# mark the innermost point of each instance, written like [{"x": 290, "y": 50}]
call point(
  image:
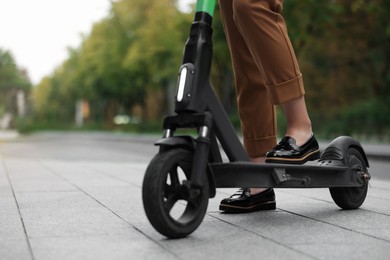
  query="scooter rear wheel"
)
[
  {"x": 168, "y": 203},
  {"x": 351, "y": 197}
]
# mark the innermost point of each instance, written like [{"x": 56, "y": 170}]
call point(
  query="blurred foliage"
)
[
  {"x": 128, "y": 64},
  {"x": 128, "y": 56},
  {"x": 344, "y": 51},
  {"x": 12, "y": 79}
]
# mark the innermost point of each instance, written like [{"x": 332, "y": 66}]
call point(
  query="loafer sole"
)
[
  {"x": 269, "y": 205},
  {"x": 312, "y": 156}
]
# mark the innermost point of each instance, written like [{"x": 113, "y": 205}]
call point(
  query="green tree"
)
[
  {"x": 155, "y": 55},
  {"x": 12, "y": 79}
]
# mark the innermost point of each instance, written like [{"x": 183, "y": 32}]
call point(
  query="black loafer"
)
[
  {"x": 288, "y": 152},
  {"x": 243, "y": 201}
]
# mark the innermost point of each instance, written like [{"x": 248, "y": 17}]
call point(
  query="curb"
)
[{"x": 6, "y": 135}]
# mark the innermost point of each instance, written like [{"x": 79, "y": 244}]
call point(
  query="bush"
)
[{"x": 368, "y": 120}]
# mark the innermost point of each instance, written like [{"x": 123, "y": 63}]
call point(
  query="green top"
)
[{"x": 205, "y": 6}]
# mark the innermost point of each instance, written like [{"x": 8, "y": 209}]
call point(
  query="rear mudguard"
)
[
  {"x": 189, "y": 143},
  {"x": 335, "y": 153}
]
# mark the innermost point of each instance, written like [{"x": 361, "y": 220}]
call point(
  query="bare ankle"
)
[
  {"x": 298, "y": 120},
  {"x": 260, "y": 159},
  {"x": 255, "y": 191},
  {"x": 301, "y": 134}
]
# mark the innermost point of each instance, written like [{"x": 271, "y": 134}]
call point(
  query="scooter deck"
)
[{"x": 247, "y": 174}]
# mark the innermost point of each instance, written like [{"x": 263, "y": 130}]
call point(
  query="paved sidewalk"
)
[{"x": 88, "y": 208}]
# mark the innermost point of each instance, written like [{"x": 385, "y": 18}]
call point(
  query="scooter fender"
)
[
  {"x": 186, "y": 142},
  {"x": 336, "y": 152}
]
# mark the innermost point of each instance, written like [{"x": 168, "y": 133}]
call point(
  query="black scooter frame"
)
[{"x": 198, "y": 107}]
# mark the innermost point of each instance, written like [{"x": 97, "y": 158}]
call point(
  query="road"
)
[
  {"x": 112, "y": 147},
  {"x": 78, "y": 196}
]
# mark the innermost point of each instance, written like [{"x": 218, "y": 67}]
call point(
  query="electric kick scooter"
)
[{"x": 187, "y": 170}]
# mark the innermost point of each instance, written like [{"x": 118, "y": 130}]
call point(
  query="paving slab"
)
[
  {"x": 14, "y": 249},
  {"x": 79, "y": 197},
  {"x": 13, "y": 240},
  {"x": 29, "y": 175},
  {"x": 131, "y": 246},
  {"x": 344, "y": 251}
]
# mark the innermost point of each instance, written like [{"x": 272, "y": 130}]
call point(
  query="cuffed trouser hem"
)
[
  {"x": 257, "y": 147},
  {"x": 286, "y": 91}
]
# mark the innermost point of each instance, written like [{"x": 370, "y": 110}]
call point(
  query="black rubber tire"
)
[
  {"x": 351, "y": 197},
  {"x": 158, "y": 194}
]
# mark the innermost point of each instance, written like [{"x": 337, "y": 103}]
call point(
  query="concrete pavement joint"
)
[
  {"x": 331, "y": 202},
  {"x": 113, "y": 212},
  {"x": 19, "y": 212},
  {"x": 264, "y": 237},
  {"x": 137, "y": 186},
  {"x": 113, "y": 177},
  {"x": 348, "y": 229}
]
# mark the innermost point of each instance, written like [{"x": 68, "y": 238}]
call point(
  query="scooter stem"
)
[{"x": 206, "y": 6}]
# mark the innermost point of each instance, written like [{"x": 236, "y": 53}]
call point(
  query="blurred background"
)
[{"x": 120, "y": 74}]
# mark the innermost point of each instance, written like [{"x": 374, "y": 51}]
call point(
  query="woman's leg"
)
[
  {"x": 264, "y": 30},
  {"x": 264, "y": 64},
  {"x": 257, "y": 114}
]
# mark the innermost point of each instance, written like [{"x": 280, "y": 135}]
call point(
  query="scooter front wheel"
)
[{"x": 173, "y": 207}]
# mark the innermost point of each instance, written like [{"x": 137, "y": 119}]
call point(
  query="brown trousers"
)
[{"x": 265, "y": 67}]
